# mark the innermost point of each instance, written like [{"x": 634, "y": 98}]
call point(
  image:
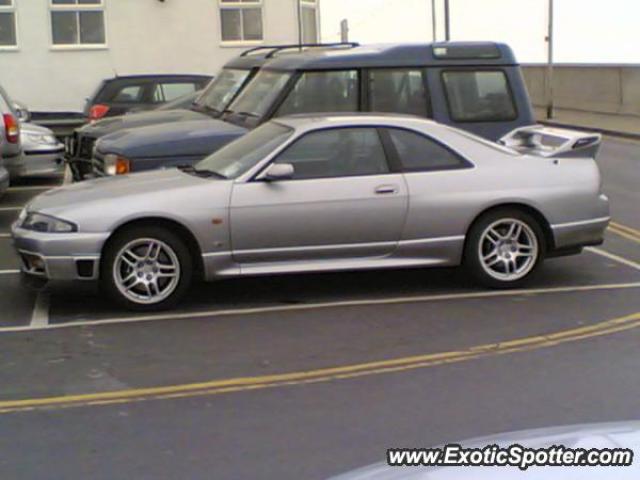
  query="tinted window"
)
[
  {"x": 323, "y": 92},
  {"x": 130, "y": 94},
  {"x": 419, "y": 153},
  {"x": 337, "y": 153},
  {"x": 400, "y": 91},
  {"x": 480, "y": 96}
]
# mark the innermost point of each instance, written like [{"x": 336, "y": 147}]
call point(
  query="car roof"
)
[
  {"x": 327, "y": 120},
  {"x": 258, "y": 56},
  {"x": 158, "y": 75},
  {"x": 395, "y": 55}
]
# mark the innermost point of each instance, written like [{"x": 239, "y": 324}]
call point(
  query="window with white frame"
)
[
  {"x": 241, "y": 20},
  {"x": 8, "y": 36},
  {"x": 309, "y": 17},
  {"x": 77, "y": 22}
]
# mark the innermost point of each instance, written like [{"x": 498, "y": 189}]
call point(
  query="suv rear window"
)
[{"x": 478, "y": 96}]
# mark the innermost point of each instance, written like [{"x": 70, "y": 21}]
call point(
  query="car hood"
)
[
  {"x": 140, "y": 119},
  {"x": 121, "y": 190},
  {"x": 188, "y": 138},
  {"x": 611, "y": 435}
]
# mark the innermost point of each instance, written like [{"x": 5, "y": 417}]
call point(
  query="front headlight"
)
[
  {"x": 116, "y": 165},
  {"x": 40, "y": 139},
  {"x": 39, "y": 222}
]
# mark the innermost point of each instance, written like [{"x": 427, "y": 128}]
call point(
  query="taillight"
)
[
  {"x": 11, "y": 128},
  {"x": 98, "y": 111}
]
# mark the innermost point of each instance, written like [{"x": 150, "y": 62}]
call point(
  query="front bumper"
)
[{"x": 54, "y": 256}]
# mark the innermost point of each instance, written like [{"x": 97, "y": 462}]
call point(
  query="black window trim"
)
[
  {"x": 516, "y": 113},
  {"x": 465, "y": 163},
  {"x": 392, "y": 164},
  {"x": 425, "y": 82}
]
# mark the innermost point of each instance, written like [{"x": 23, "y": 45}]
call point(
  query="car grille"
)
[
  {"x": 85, "y": 147},
  {"x": 97, "y": 165}
]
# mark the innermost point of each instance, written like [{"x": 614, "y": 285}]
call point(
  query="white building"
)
[{"x": 53, "y": 53}]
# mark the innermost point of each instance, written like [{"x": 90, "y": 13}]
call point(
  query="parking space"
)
[{"x": 614, "y": 264}]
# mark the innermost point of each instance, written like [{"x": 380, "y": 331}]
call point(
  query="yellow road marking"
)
[
  {"x": 216, "y": 387},
  {"x": 625, "y": 232},
  {"x": 625, "y": 228}
]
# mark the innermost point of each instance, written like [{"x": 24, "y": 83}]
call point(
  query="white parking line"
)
[
  {"x": 5, "y": 235},
  {"x": 36, "y": 188},
  {"x": 614, "y": 257},
  {"x": 9, "y": 272},
  {"x": 40, "y": 315},
  {"x": 10, "y": 209},
  {"x": 316, "y": 306}
]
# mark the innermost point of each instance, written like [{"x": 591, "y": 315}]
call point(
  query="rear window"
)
[
  {"x": 478, "y": 96},
  {"x": 129, "y": 94},
  {"x": 166, "y": 92}
]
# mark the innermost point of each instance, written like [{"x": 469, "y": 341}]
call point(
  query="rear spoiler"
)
[{"x": 552, "y": 142}]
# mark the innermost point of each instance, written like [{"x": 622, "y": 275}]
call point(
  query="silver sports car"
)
[{"x": 325, "y": 193}]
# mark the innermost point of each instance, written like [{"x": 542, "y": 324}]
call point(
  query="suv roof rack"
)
[{"x": 278, "y": 48}]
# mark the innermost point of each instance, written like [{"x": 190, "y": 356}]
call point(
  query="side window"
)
[
  {"x": 332, "y": 91},
  {"x": 419, "y": 153},
  {"x": 398, "y": 91},
  {"x": 338, "y": 152},
  {"x": 165, "y": 92},
  {"x": 479, "y": 96},
  {"x": 129, "y": 94}
]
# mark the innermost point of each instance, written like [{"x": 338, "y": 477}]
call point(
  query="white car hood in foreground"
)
[{"x": 614, "y": 435}]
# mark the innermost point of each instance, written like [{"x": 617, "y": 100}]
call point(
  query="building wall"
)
[{"x": 143, "y": 36}]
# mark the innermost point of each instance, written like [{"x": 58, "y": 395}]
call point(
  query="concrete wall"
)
[
  {"x": 143, "y": 36},
  {"x": 613, "y": 90}
]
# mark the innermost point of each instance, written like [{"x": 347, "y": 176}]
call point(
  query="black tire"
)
[
  {"x": 115, "y": 245},
  {"x": 472, "y": 256}
]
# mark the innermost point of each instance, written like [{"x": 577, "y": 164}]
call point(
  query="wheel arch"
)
[
  {"x": 542, "y": 221},
  {"x": 174, "y": 227}
]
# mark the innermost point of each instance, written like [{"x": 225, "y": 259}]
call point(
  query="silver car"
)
[
  {"x": 42, "y": 153},
  {"x": 324, "y": 193}
]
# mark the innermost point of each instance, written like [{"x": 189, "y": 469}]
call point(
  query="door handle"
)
[{"x": 386, "y": 190}]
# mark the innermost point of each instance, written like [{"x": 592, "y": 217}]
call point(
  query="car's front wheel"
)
[
  {"x": 146, "y": 268},
  {"x": 504, "y": 248}
]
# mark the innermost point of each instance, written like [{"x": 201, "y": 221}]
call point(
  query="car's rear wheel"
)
[
  {"x": 504, "y": 248},
  {"x": 146, "y": 268}
]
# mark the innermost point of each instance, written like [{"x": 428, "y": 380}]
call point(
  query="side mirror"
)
[
  {"x": 23, "y": 113},
  {"x": 278, "y": 171}
]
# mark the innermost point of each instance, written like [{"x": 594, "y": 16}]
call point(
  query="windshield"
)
[
  {"x": 238, "y": 157},
  {"x": 260, "y": 94},
  {"x": 223, "y": 89}
]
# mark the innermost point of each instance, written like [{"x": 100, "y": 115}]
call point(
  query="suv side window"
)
[
  {"x": 338, "y": 152},
  {"x": 479, "y": 96},
  {"x": 418, "y": 153},
  {"x": 398, "y": 91},
  {"x": 330, "y": 91}
]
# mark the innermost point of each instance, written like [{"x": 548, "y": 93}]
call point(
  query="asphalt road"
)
[{"x": 307, "y": 376}]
